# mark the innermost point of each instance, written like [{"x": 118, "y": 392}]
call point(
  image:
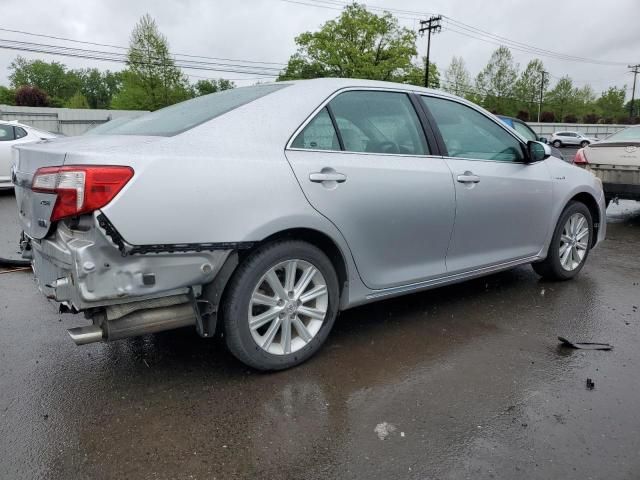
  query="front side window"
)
[
  {"x": 319, "y": 134},
  {"x": 378, "y": 122},
  {"x": 469, "y": 134},
  {"x": 6, "y": 133}
]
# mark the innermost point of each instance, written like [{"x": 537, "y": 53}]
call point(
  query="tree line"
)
[
  {"x": 150, "y": 81},
  {"x": 357, "y": 44}
]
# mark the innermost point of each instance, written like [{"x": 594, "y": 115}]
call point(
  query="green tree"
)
[
  {"x": 358, "y": 44},
  {"x": 456, "y": 78},
  {"x": 415, "y": 76},
  {"x": 151, "y": 80},
  {"x": 585, "y": 102},
  {"x": 496, "y": 82},
  {"x": 205, "y": 87},
  {"x": 562, "y": 98},
  {"x": 527, "y": 87},
  {"x": 98, "y": 87},
  {"x": 52, "y": 77},
  {"x": 77, "y": 101},
  {"x": 611, "y": 103},
  {"x": 7, "y": 96}
]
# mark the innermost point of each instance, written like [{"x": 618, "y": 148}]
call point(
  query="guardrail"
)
[
  {"x": 67, "y": 121},
  {"x": 596, "y": 130}
]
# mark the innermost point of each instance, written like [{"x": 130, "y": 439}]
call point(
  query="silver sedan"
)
[{"x": 262, "y": 212}]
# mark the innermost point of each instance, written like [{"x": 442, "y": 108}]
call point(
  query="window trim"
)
[
  {"x": 432, "y": 147},
  {"x": 443, "y": 147}
]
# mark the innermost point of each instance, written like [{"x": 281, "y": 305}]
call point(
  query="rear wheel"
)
[
  {"x": 584, "y": 143},
  {"x": 280, "y": 306},
  {"x": 570, "y": 244},
  {"x": 557, "y": 143}
]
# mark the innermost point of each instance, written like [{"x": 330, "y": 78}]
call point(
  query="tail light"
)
[
  {"x": 580, "y": 158},
  {"x": 80, "y": 189}
]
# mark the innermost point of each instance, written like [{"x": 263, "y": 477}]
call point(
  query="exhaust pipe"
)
[{"x": 137, "y": 323}]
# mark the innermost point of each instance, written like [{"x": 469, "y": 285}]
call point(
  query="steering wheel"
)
[{"x": 387, "y": 146}]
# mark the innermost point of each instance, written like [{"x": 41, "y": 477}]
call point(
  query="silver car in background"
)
[
  {"x": 569, "y": 139},
  {"x": 264, "y": 211}
]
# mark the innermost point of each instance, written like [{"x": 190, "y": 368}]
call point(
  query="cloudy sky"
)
[{"x": 264, "y": 31}]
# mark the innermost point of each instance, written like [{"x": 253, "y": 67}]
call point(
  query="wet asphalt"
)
[{"x": 466, "y": 381}]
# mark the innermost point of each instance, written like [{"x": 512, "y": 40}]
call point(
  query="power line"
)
[
  {"x": 122, "y": 58},
  {"x": 467, "y": 30},
  {"x": 120, "y": 47}
]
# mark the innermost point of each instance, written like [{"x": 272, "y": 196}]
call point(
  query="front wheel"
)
[
  {"x": 280, "y": 305},
  {"x": 570, "y": 244}
]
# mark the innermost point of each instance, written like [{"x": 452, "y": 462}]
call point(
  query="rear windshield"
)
[
  {"x": 631, "y": 134},
  {"x": 183, "y": 116}
]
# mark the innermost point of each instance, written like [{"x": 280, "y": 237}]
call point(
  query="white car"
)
[
  {"x": 14, "y": 133},
  {"x": 565, "y": 138}
]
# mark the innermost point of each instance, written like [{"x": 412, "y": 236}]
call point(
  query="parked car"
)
[
  {"x": 14, "y": 133},
  {"x": 527, "y": 132},
  {"x": 265, "y": 210},
  {"x": 566, "y": 139},
  {"x": 616, "y": 161}
]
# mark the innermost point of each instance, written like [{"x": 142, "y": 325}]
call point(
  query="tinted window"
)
[
  {"x": 6, "y": 133},
  {"x": 20, "y": 132},
  {"x": 525, "y": 131},
  {"x": 469, "y": 134},
  {"x": 319, "y": 134},
  {"x": 378, "y": 122},
  {"x": 183, "y": 116}
]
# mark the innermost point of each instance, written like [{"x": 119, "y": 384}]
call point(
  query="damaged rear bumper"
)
[{"x": 81, "y": 267}]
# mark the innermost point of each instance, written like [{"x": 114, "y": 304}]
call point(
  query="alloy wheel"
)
[
  {"x": 574, "y": 242},
  {"x": 288, "y": 307}
]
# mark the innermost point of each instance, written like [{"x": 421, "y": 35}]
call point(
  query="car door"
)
[
  {"x": 7, "y": 139},
  {"x": 364, "y": 162},
  {"x": 502, "y": 203}
]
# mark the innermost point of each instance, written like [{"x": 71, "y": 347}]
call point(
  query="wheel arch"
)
[
  {"x": 592, "y": 204},
  {"x": 320, "y": 240}
]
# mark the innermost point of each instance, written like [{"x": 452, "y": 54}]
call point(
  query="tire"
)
[
  {"x": 253, "y": 279},
  {"x": 552, "y": 267},
  {"x": 583, "y": 144},
  {"x": 557, "y": 143}
]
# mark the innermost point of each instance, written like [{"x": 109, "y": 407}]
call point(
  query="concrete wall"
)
[
  {"x": 591, "y": 130},
  {"x": 67, "y": 121}
]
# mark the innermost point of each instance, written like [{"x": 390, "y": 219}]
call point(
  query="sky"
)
[{"x": 264, "y": 31}]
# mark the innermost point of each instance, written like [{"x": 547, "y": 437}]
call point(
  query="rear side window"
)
[
  {"x": 183, "y": 116},
  {"x": 378, "y": 122},
  {"x": 6, "y": 133},
  {"x": 20, "y": 132},
  {"x": 469, "y": 134},
  {"x": 319, "y": 134}
]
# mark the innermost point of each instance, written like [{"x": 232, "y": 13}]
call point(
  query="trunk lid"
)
[
  {"x": 34, "y": 208},
  {"x": 618, "y": 153}
]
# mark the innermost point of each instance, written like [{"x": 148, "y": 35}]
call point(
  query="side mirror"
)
[
  {"x": 537, "y": 151},
  {"x": 543, "y": 140}
]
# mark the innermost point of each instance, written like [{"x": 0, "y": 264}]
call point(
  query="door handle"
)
[
  {"x": 468, "y": 177},
  {"x": 319, "y": 177}
]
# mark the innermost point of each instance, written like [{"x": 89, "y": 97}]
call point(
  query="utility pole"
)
[
  {"x": 541, "y": 93},
  {"x": 430, "y": 25},
  {"x": 634, "y": 70}
]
